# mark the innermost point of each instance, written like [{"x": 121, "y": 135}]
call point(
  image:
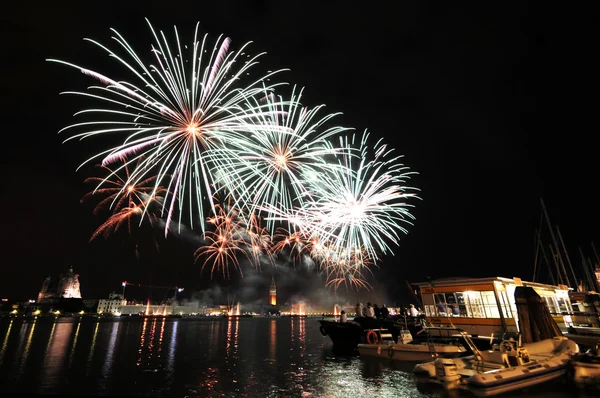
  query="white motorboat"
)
[
  {"x": 507, "y": 367},
  {"x": 440, "y": 342}
]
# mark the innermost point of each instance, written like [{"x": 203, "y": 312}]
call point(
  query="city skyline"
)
[{"x": 472, "y": 116}]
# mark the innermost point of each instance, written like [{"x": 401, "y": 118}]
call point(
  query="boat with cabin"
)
[{"x": 486, "y": 308}]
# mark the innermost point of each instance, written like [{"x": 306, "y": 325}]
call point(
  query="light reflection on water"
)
[
  {"x": 5, "y": 342},
  {"x": 54, "y": 360},
  {"x": 231, "y": 357}
]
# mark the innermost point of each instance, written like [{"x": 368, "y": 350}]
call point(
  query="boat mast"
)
[
  {"x": 592, "y": 269},
  {"x": 567, "y": 255},
  {"x": 555, "y": 259},
  {"x": 586, "y": 275},
  {"x": 548, "y": 264},
  {"x": 537, "y": 245},
  {"x": 595, "y": 253},
  {"x": 555, "y": 242}
]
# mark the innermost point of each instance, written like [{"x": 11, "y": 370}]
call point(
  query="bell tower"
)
[{"x": 273, "y": 292}]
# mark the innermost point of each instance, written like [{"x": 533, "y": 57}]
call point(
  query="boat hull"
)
[
  {"x": 505, "y": 380},
  {"x": 345, "y": 336},
  {"x": 409, "y": 352},
  {"x": 495, "y": 375}
]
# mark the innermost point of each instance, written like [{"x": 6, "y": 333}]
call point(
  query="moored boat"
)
[
  {"x": 508, "y": 367},
  {"x": 344, "y": 335},
  {"x": 585, "y": 368},
  {"x": 440, "y": 342},
  {"x": 347, "y": 335}
]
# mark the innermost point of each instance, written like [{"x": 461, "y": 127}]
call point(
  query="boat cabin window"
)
[
  {"x": 552, "y": 304},
  {"x": 470, "y": 304},
  {"x": 490, "y": 305},
  {"x": 505, "y": 305},
  {"x": 557, "y": 304}
]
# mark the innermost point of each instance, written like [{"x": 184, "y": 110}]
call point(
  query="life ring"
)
[
  {"x": 323, "y": 331},
  {"x": 372, "y": 337}
]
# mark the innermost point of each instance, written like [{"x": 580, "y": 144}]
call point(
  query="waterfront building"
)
[
  {"x": 66, "y": 286},
  {"x": 112, "y": 305},
  {"x": 191, "y": 308}
]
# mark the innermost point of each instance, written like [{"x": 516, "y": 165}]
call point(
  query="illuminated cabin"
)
[{"x": 486, "y": 306}]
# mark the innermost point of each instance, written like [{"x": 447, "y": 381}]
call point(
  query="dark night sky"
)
[{"x": 489, "y": 105}]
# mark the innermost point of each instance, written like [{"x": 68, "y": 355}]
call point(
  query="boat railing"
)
[{"x": 476, "y": 353}]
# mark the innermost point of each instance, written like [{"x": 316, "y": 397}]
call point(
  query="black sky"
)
[{"x": 489, "y": 104}]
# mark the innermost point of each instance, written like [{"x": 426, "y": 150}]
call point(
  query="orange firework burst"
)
[
  {"x": 120, "y": 190},
  {"x": 116, "y": 221},
  {"x": 346, "y": 271},
  {"x": 233, "y": 236},
  {"x": 221, "y": 251},
  {"x": 130, "y": 203},
  {"x": 285, "y": 240},
  {"x": 130, "y": 215},
  {"x": 260, "y": 242}
]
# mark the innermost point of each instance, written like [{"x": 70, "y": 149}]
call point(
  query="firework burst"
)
[
  {"x": 175, "y": 114},
  {"x": 234, "y": 236},
  {"x": 119, "y": 190},
  {"x": 287, "y": 142},
  {"x": 358, "y": 206},
  {"x": 194, "y": 127}
]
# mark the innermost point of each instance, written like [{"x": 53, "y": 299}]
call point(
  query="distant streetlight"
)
[
  {"x": 179, "y": 290},
  {"x": 124, "y": 284}
]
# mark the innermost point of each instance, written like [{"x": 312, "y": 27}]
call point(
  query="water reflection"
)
[
  {"x": 160, "y": 337},
  {"x": 142, "y": 340},
  {"x": 108, "y": 361},
  {"x": 171, "y": 361},
  {"x": 231, "y": 350},
  {"x": 260, "y": 357},
  {"x": 92, "y": 348},
  {"x": 273, "y": 340},
  {"x": 74, "y": 343},
  {"x": 26, "y": 349},
  {"x": 5, "y": 342},
  {"x": 55, "y": 354},
  {"x": 298, "y": 373},
  {"x": 151, "y": 341}
]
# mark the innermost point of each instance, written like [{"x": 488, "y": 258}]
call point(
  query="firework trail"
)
[{"x": 175, "y": 115}]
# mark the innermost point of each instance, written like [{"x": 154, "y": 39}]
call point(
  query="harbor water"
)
[{"x": 200, "y": 357}]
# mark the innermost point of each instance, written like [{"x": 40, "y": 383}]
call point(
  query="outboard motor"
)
[{"x": 446, "y": 373}]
